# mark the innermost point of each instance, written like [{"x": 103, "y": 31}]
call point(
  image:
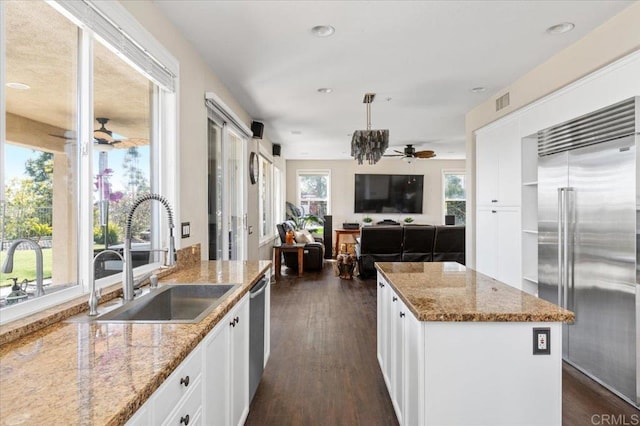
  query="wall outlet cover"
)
[
  {"x": 186, "y": 229},
  {"x": 542, "y": 341}
]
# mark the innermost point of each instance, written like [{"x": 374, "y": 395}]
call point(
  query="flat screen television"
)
[{"x": 388, "y": 193}]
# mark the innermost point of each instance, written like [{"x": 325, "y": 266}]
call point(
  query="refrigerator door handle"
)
[
  {"x": 568, "y": 239},
  {"x": 561, "y": 264}
]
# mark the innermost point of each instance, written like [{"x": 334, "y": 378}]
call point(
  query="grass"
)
[{"x": 24, "y": 266}]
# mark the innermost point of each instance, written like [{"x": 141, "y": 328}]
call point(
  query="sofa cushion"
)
[{"x": 304, "y": 236}]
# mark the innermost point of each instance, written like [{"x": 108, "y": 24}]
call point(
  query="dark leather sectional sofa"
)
[
  {"x": 409, "y": 243},
  {"x": 313, "y": 252}
]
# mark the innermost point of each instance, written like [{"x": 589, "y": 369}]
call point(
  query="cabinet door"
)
[
  {"x": 216, "y": 396},
  {"x": 383, "y": 289},
  {"x": 487, "y": 241},
  {"x": 397, "y": 354},
  {"x": 486, "y": 168},
  {"x": 240, "y": 362},
  {"x": 412, "y": 370},
  {"x": 509, "y": 239},
  {"x": 509, "y": 165}
]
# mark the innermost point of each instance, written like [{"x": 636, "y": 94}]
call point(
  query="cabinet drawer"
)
[
  {"x": 183, "y": 379},
  {"x": 188, "y": 410}
]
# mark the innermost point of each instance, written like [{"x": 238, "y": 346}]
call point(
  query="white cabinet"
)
[
  {"x": 179, "y": 397},
  {"x": 399, "y": 353},
  {"x": 211, "y": 386},
  {"x": 499, "y": 199},
  {"x": 498, "y": 175},
  {"x": 226, "y": 368},
  {"x": 498, "y": 244}
]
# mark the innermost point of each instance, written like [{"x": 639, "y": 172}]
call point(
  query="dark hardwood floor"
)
[{"x": 323, "y": 368}]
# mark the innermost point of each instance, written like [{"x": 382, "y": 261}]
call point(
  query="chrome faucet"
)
[
  {"x": 127, "y": 268},
  {"x": 94, "y": 295},
  {"x": 7, "y": 266}
]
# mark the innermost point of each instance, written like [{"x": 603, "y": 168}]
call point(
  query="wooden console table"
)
[
  {"x": 279, "y": 249},
  {"x": 339, "y": 232}
]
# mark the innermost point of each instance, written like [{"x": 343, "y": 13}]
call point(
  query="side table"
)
[{"x": 279, "y": 249}]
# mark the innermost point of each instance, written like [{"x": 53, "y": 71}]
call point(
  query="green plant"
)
[
  {"x": 367, "y": 219},
  {"x": 408, "y": 219},
  {"x": 112, "y": 234}
]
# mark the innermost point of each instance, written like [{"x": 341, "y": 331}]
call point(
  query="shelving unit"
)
[{"x": 530, "y": 214}]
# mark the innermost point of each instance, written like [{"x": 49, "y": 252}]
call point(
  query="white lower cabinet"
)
[
  {"x": 226, "y": 369},
  {"x": 400, "y": 354},
  {"x": 498, "y": 244},
  {"x": 211, "y": 386}
]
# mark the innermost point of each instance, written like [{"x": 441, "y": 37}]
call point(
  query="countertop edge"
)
[{"x": 567, "y": 316}]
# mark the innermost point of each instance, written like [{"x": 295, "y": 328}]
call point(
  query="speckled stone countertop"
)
[
  {"x": 100, "y": 374},
  {"x": 447, "y": 291}
]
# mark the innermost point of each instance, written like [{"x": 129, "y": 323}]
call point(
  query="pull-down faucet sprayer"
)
[{"x": 127, "y": 270}]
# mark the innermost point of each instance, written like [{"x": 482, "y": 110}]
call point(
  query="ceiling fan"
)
[
  {"x": 101, "y": 136},
  {"x": 410, "y": 153}
]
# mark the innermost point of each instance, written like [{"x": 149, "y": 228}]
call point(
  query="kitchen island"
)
[
  {"x": 89, "y": 373},
  {"x": 457, "y": 348}
]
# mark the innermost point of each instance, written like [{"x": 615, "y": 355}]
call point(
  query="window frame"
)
[
  {"x": 313, "y": 172},
  {"x": 164, "y": 133},
  {"x": 458, "y": 172},
  {"x": 269, "y": 197}
]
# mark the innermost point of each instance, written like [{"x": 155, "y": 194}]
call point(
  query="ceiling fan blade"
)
[
  {"x": 393, "y": 155},
  {"x": 58, "y": 136},
  {"x": 105, "y": 137},
  {"x": 425, "y": 154},
  {"x": 399, "y": 152}
]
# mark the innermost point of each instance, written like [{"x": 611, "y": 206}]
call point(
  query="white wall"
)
[{"x": 342, "y": 186}]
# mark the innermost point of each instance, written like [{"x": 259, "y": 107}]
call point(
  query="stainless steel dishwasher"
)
[{"x": 256, "y": 334}]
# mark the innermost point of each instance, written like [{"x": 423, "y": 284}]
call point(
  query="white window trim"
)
[
  {"x": 167, "y": 128},
  {"x": 262, "y": 240},
  {"x": 302, "y": 172},
  {"x": 443, "y": 185}
]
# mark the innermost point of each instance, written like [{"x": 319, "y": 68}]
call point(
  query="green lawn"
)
[{"x": 24, "y": 266}]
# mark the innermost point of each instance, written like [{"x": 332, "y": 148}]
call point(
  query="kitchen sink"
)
[{"x": 180, "y": 303}]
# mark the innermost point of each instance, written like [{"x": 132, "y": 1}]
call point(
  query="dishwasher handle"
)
[{"x": 257, "y": 290}]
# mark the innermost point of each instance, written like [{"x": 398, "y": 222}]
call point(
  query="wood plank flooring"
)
[{"x": 323, "y": 368}]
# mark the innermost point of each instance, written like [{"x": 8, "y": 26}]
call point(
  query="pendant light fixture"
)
[{"x": 369, "y": 145}]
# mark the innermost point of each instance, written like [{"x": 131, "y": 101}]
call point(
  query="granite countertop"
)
[
  {"x": 89, "y": 373},
  {"x": 448, "y": 291}
]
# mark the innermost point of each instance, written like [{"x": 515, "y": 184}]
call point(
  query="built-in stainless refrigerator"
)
[{"x": 588, "y": 246}]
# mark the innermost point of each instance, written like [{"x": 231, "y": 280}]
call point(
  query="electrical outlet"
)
[
  {"x": 542, "y": 341},
  {"x": 186, "y": 229}
]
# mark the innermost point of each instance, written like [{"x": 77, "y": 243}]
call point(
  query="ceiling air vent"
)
[{"x": 502, "y": 102}]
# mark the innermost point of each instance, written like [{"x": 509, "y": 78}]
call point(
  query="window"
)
[
  {"x": 265, "y": 198},
  {"x": 46, "y": 176},
  {"x": 278, "y": 204},
  {"x": 454, "y": 195},
  {"x": 314, "y": 191}
]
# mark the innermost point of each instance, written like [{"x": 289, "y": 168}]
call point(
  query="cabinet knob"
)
[
  {"x": 493, "y": 211},
  {"x": 494, "y": 201},
  {"x": 184, "y": 420},
  {"x": 237, "y": 319},
  {"x": 401, "y": 314},
  {"x": 394, "y": 298},
  {"x": 381, "y": 285},
  {"x": 232, "y": 323},
  {"x": 185, "y": 381}
]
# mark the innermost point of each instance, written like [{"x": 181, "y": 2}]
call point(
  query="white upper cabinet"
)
[{"x": 498, "y": 175}]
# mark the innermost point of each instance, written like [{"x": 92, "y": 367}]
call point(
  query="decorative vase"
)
[{"x": 289, "y": 237}]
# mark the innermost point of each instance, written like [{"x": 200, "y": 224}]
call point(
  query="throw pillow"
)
[{"x": 303, "y": 237}]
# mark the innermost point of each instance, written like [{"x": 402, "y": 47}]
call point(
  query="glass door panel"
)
[{"x": 235, "y": 191}]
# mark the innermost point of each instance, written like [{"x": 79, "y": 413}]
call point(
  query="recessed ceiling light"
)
[
  {"x": 19, "y": 86},
  {"x": 323, "y": 30},
  {"x": 325, "y": 90},
  {"x": 296, "y": 132},
  {"x": 562, "y": 28},
  {"x": 479, "y": 89}
]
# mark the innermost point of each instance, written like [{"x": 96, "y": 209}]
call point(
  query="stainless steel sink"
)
[{"x": 181, "y": 303}]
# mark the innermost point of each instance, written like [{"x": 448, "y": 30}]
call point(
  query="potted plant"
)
[
  {"x": 408, "y": 220},
  {"x": 367, "y": 221}
]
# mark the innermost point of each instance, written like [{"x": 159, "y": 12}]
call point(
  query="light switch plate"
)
[
  {"x": 186, "y": 229},
  {"x": 542, "y": 341}
]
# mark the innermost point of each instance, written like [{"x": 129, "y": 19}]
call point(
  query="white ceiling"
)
[{"x": 424, "y": 55}]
